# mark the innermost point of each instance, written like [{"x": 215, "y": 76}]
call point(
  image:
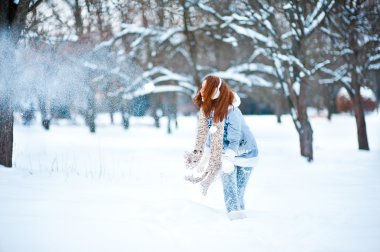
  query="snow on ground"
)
[{"x": 122, "y": 190}]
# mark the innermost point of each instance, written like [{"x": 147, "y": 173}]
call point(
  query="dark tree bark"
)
[
  {"x": 156, "y": 119},
  {"x": 77, "y": 10},
  {"x": 124, "y": 116},
  {"x": 359, "y": 114},
  {"x": 306, "y": 132},
  {"x": 331, "y": 100},
  {"x": 279, "y": 105},
  {"x": 298, "y": 102},
  {"x": 45, "y": 112},
  {"x": 111, "y": 117},
  {"x": 355, "y": 82},
  {"x": 6, "y": 131},
  {"x": 171, "y": 111},
  {"x": 12, "y": 21},
  {"x": 191, "y": 42},
  {"x": 91, "y": 111},
  {"x": 360, "y": 123}
]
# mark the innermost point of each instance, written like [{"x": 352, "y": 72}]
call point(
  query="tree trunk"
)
[
  {"x": 278, "y": 108},
  {"x": 45, "y": 111},
  {"x": 111, "y": 118},
  {"x": 306, "y": 140},
  {"x": 124, "y": 116},
  {"x": 157, "y": 112},
  {"x": 12, "y": 19},
  {"x": 125, "y": 121},
  {"x": 161, "y": 13},
  {"x": 156, "y": 119},
  {"x": 357, "y": 100},
  {"x": 278, "y": 116},
  {"x": 77, "y": 11},
  {"x": 169, "y": 129},
  {"x": 91, "y": 111},
  {"x": 329, "y": 113},
  {"x": 360, "y": 120},
  {"x": 6, "y": 94},
  {"x": 331, "y": 100},
  {"x": 331, "y": 107},
  {"x": 191, "y": 43},
  {"x": 6, "y": 131},
  {"x": 306, "y": 132}
]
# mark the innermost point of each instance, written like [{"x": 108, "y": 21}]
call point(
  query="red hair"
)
[{"x": 220, "y": 105}]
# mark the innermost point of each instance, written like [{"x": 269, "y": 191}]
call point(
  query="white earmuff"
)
[{"x": 217, "y": 91}]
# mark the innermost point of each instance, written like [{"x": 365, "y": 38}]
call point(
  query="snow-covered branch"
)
[
  {"x": 242, "y": 25},
  {"x": 160, "y": 74},
  {"x": 252, "y": 67},
  {"x": 339, "y": 75},
  {"x": 245, "y": 79},
  {"x": 316, "y": 17},
  {"x": 373, "y": 62}
]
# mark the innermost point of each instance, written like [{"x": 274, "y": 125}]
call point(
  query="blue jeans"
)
[{"x": 234, "y": 185}]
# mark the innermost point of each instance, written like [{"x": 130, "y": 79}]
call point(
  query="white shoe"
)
[{"x": 236, "y": 215}]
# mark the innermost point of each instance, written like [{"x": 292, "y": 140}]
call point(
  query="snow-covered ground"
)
[{"x": 122, "y": 190}]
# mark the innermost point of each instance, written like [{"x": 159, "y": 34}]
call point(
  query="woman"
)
[{"x": 224, "y": 143}]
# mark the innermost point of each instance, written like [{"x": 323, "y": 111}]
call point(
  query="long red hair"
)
[{"x": 220, "y": 105}]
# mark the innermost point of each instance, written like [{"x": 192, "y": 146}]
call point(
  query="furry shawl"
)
[{"x": 216, "y": 145}]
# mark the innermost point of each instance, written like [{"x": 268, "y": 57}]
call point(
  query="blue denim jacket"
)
[{"x": 237, "y": 135}]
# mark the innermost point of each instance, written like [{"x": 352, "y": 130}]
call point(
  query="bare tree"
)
[
  {"x": 280, "y": 32},
  {"x": 354, "y": 31}
]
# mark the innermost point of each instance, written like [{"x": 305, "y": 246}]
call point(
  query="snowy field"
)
[{"x": 122, "y": 190}]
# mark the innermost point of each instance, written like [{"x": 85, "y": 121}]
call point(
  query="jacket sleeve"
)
[{"x": 233, "y": 131}]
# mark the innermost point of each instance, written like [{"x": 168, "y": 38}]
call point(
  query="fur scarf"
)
[{"x": 216, "y": 146}]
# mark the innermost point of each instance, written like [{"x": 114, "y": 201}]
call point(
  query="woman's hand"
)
[{"x": 201, "y": 166}]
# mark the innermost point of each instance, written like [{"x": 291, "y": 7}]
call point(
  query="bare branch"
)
[{"x": 34, "y": 5}]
